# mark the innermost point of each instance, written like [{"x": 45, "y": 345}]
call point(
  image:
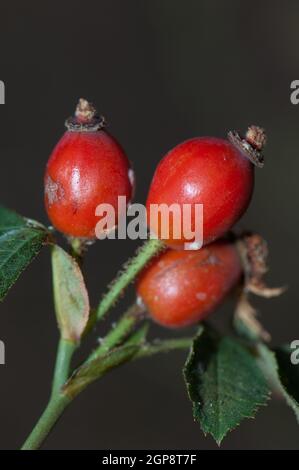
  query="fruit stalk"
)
[
  {"x": 150, "y": 248},
  {"x": 120, "y": 331}
]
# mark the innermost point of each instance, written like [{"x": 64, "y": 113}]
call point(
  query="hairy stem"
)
[
  {"x": 150, "y": 248},
  {"x": 163, "y": 346},
  {"x": 120, "y": 331}
]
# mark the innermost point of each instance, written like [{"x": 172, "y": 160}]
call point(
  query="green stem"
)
[
  {"x": 163, "y": 346},
  {"x": 59, "y": 402},
  {"x": 65, "y": 352},
  {"x": 78, "y": 249},
  {"x": 50, "y": 416},
  {"x": 116, "y": 335},
  {"x": 132, "y": 268}
]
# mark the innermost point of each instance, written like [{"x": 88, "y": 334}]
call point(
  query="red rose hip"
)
[
  {"x": 217, "y": 173},
  {"x": 86, "y": 168},
  {"x": 180, "y": 287}
]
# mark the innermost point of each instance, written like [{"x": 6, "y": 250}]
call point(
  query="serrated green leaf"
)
[
  {"x": 96, "y": 368},
  {"x": 224, "y": 383},
  {"x": 70, "y": 295},
  {"x": 20, "y": 241},
  {"x": 283, "y": 376}
]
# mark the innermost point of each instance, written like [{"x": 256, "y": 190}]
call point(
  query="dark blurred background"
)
[{"x": 161, "y": 72}]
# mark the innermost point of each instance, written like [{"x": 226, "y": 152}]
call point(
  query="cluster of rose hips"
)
[{"x": 88, "y": 167}]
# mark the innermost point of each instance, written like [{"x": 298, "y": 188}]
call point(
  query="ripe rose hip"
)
[
  {"x": 180, "y": 288},
  {"x": 214, "y": 172},
  {"x": 86, "y": 168}
]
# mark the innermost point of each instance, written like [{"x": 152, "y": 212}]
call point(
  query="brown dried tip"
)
[
  {"x": 85, "y": 111},
  {"x": 247, "y": 314},
  {"x": 254, "y": 252},
  {"x": 257, "y": 253},
  {"x": 85, "y": 118},
  {"x": 256, "y": 137},
  {"x": 251, "y": 145}
]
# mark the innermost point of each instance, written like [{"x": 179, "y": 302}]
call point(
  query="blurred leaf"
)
[
  {"x": 92, "y": 319},
  {"x": 20, "y": 241},
  {"x": 70, "y": 295},
  {"x": 96, "y": 368},
  {"x": 283, "y": 376},
  {"x": 224, "y": 383},
  {"x": 245, "y": 322},
  {"x": 9, "y": 220}
]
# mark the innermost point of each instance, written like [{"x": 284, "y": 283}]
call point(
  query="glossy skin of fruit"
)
[
  {"x": 181, "y": 288},
  {"x": 86, "y": 168},
  {"x": 207, "y": 171}
]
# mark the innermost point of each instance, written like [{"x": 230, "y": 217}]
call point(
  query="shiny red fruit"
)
[
  {"x": 207, "y": 171},
  {"x": 180, "y": 288},
  {"x": 87, "y": 168}
]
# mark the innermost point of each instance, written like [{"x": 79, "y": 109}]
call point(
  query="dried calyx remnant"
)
[
  {"x": 251, "y": 145},
  {"x": 85, "y": 118},
  {"x": 253, "y": 251}
]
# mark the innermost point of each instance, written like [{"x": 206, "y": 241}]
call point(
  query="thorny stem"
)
[
  {"x": 121, "y": 330},
  {"x": 131, "y": 270},
  {"x": 65, "y": 352},
  {"x": 60, "y": 401},
  {"x": 163, "y": 346}
]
